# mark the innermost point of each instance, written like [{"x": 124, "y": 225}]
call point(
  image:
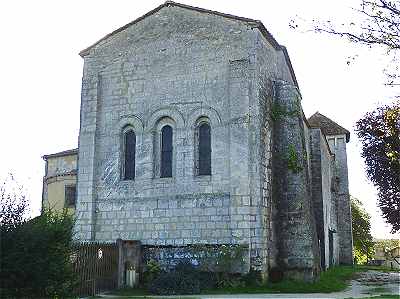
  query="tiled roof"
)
[
  {"x": 61, "y": 154},
  {"x": 327, "y": 126}
]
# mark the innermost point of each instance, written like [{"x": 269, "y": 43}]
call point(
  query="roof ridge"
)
[{"x": 327, "y": 125}]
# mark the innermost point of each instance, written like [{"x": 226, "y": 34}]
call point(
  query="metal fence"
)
[{"x": 96, "y": 267}]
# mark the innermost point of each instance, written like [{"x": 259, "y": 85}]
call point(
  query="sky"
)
[{"x": 41, "y": 72}]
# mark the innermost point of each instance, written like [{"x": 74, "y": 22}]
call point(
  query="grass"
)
[
  {"x": 146, "y": 297},
  {"x": 130, "y": 292},
  {"x": 332, "y": 280},
  {"x": 381, "y": 297}
]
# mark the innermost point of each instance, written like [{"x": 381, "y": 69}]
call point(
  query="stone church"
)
[{"x": 192, "y": 132}]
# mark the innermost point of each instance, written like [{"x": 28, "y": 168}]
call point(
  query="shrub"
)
[
  {"x": 184, "y": 279},
  {"x": 174, "y": 283},
  {"x": 35, "y": 259},
  {"x": 152, "y": 271},
  {"x": 207, "y": 280},
  {"x": 229, "y": 280},
  {"x": 253, "y": 278}
]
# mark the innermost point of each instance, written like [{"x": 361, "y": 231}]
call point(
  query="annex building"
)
[{"x": 192, "y": 132}]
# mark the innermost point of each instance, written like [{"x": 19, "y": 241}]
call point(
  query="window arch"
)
[
  {"x": 166, "y": 151},
  {"x": 129, "y": 153},
  {"x": 204, "y": 149}
]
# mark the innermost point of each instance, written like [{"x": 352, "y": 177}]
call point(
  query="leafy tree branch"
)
[
  {"x": 376, "y": 23},
  {"x": 379, "y": 133}
]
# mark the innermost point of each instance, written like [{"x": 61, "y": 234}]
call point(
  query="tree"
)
[
  {"x": 35, "y": 259},
  {"x": 13, "y": 204},
  {"x": 35, "y": 254},
  {"x": 379, "y": 133},
  {"x": 362, "y": 238},
  {"x": 375, "y": 24}
]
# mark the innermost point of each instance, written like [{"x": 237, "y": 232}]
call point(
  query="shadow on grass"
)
[
  {"x": 381, "y": 297},
  {"x": 333, "y": 280}
]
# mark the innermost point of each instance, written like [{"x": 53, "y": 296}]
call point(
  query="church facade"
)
[{"x": 192, "y": 132}]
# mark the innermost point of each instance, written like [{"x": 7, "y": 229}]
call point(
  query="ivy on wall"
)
[
  {"x": 292, "y": 159},
  {"x": 278, "y": 111}
]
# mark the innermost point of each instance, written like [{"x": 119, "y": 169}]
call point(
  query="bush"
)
[
  {"x": 229, "y": 280},
  {"x": 184, "y": 279},
  {"x": 174, "y": 283},
  {"x": 35, "y": 257},
  {"x": 152, "y": 271},
  {"x": 207, "y": 280},
  {"x": 253, "y": 278}
]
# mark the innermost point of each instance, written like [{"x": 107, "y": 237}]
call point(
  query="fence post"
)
[
  {"x": 120, "y": 263},
  {"x": 94, "y": 287}
]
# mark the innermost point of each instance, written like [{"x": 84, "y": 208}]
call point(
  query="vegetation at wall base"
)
[
  {"x": 332, "y": 280},
  {"x": 381, "y": 297},
  {"x": 36, "y": 258}
]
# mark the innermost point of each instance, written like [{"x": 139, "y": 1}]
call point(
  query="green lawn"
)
[
  {"x": 381, "y": 297},
  {"x": 146, "y": 297},
  {"x": 333, "y": 280}
]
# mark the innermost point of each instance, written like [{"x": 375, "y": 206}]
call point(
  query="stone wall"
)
[
  {"x": 175, "y": 66},
  {"x": 175, "y": 220},
  {"x": 297, "y": 238},
  {"x": 337, "y": 144},
  {"x": 204, "y": 257},
  {"x": 270, "y": 65},
  {"x": 324, "y": 197},
  {"x": 61, "y": 165}
]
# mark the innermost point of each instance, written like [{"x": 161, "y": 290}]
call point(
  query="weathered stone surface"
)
[
  {"x": 325, "y": 198},
  {"x": 179, "y": 65},
  {"x": 298, "y": 243},
  {"x": 206, "y": 258}
]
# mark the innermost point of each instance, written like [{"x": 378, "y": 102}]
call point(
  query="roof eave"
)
[{"x": 61, "y": 154}]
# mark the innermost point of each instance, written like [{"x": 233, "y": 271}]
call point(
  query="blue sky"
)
[{"x": 41, "y": 75}]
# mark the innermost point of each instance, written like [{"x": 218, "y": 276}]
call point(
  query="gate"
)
[{"x": 96, "y": 267}]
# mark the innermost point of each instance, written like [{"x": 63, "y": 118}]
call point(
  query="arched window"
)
[
  {"x": 129, "y": 155},
  {"x": 204, "y": 149},
  {"x": 166, "y": 152}
]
